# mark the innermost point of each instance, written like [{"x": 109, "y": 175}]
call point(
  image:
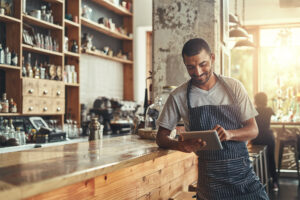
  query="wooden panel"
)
[
  {"x": 41, "y": 51},
  {"x": 14, "y": 39},
  {"x": 41, "y": 23},
  {"x": 82, "y": 190},
  {"x": 128, "y": 82},
  {"x": 13, "y": 87},
  {"x": 114, "y": 58},
  {"x": 113, "y": 7},
  {"x": 73, "y": 7},
  {"x": 73, "y": 103},
  {"x": 58, "y": 13}
]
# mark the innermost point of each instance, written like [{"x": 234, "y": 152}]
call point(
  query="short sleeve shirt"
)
[{"x": 175, "y": 108}]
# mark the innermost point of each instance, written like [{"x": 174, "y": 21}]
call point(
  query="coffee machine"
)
[{"x": 102, "y": 108}]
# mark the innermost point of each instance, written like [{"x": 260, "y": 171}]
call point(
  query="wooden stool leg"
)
[{"x": 281, "y": 146}]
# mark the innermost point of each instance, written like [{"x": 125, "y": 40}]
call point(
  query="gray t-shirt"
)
[{"x": 176, "y": 107}]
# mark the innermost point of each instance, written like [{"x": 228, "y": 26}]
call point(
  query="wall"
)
[
  {"x": 99, "y": 77},
  {"x": 175, "y": 22},
  {"x": 142, "y": 24}
]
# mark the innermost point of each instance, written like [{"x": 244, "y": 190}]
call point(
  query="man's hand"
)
[
  {"x": 192, "y": 145},
  {"x": 224, "y": 135}
]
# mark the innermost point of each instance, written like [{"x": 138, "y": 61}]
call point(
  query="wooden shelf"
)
[
  {"x": 3, "y": 66},
  {"x": 103, "y": 29},
  {"x": 71, "y": 23},
  {"x": 9, "y": 19},
  {"x": 9, "y": 114},
  {"x": 41, "y": 23},
  {"x": 93, "y": 53},
  {"x": 72, "y": 84},
  {"x": 71, "y": 54},
  {"x": 40, "y": 50},
  {"x": 113, "y": 7}
]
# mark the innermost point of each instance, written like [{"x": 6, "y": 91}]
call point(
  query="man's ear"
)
[{"x": 213, "y": 57}]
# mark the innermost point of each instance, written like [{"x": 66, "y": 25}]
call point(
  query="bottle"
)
[
  {"x": 1, "y": 55},
  {"x": 28, "y": 66},
  {"x": 14, "y": 58},
  {"x": 12, "y": 106},
  {"x": 6, "y": 130},
  {"x": 5, "y": 106},
  {"x": 94, "y": 128},
  {"x": 36, "y": 70},
  {"x": 74, "y": 47},
  {"x": 24, "y": 72},
  {"x": 18, "y": 136},
  {"x": 11, "y": 129},
  {"x": 7, "y": 56}
]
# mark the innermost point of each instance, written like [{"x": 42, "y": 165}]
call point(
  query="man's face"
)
[{"x": 200, "y": 67}]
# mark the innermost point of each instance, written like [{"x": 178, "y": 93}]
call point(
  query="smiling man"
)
[{"x": 209, "y": 101}]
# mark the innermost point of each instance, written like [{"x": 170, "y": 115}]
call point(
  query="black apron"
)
[{"x": 223, "y": 174}]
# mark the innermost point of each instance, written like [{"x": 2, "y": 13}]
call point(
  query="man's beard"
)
[{"x": 204, "y": 78}]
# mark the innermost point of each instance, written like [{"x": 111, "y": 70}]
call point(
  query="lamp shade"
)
[
  {"x": 244, "y": 43},
  {"x": 238, "y": 32}
]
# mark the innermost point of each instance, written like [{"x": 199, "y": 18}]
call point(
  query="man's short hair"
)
[{"x": 194, "y": 47}]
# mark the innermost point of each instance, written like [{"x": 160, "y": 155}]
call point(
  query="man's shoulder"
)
[
  {"x": 231, "y": 81},
  {"x": 180, "y": 90}
]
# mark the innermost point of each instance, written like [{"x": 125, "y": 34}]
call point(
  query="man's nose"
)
[{"x": 198, "y": 71}]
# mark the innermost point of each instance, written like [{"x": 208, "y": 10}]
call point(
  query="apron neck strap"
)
[{"x": 228, "y": 90}]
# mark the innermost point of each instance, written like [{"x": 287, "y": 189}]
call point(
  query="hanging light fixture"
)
[
  {"x": 246, "y": 41},
  {"x": 236, "y": 30}
]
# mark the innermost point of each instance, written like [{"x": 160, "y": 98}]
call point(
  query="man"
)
[{"x": 209, "y": 101}]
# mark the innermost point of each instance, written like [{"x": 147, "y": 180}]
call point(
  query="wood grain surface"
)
[{"x": 133, "y": 167}]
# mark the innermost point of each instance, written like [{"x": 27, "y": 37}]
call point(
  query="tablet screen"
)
[{"x": 210, "y": 137}]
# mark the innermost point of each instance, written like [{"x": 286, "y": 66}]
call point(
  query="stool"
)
[
  {"x": 182, "y": 195},
  {"x": 258, "y": 155},
  {"x": 289, "y": 141}
]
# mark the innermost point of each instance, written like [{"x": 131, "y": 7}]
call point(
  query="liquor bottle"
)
[
  {"x": 12, "y": 106},
  {"x": 7, "y": 56},
  {"x": 5, "y": 106},
  {"x": 28, "y": 66},
  {"x": 24, "y": 72},
  {"x": 1, "y": 55},
  {"x": 74, "y": 47},
  {"x": 36, "y": 70}
]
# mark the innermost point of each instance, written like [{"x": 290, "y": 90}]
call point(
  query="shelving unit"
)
[
  {"x": 103, "y": 29},
  {"x": 41, "y": 23},
  {"x": 73, "y": 31},
  {"x": 127, "y": 42},
  {"x": 40, "y": 50},
  {"x": 4, "y": 18},
  {"x": 115, "y": 8},
  {"x": 93, "y": 53},
  {"x": 2, "y": 66}
]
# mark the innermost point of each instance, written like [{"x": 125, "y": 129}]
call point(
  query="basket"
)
[{"x": 147, "y": 133}]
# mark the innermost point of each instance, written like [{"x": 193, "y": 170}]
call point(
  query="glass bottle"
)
[
  {"x": 1, "y": 54},
  {"x": 11, "y": 129},
  {"x": 36, "y": 70},
  {"x": 5, "y": 105},
  {"x": 6, "y": 130},
  {"x": 24, "y": 72},
  {"x": 18, "y": 136},
  {"x": 28, "y": 66},
  {"x": 7, "y": 56},
  {"x": 74, "y": 47}
]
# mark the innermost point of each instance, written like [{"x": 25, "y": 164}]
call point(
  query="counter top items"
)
[
  {"x": 86, "y": 42},
  {"x": 7, "y": 106},
  {"x": 96, "y": 130}
]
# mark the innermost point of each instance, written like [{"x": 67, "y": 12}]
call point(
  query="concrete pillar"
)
[{"x": 174, "y": 23}]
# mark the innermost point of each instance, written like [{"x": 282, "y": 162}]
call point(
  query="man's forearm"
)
[
  {"x": 164, "y": 141},
  {"x": 248, "y": 132}
]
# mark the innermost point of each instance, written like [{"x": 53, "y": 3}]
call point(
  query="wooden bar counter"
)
[{"x": 113, "y": 168}]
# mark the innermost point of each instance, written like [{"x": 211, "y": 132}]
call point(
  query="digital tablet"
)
[{"x": 210, "y": 137}]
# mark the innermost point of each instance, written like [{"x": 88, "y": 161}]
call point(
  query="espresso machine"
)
[{"x": 103, "y": 110}]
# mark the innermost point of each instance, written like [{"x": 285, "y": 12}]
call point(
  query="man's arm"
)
[
  {"x": 164, "y": 141},
  {"x": 248, "y": 132}
]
